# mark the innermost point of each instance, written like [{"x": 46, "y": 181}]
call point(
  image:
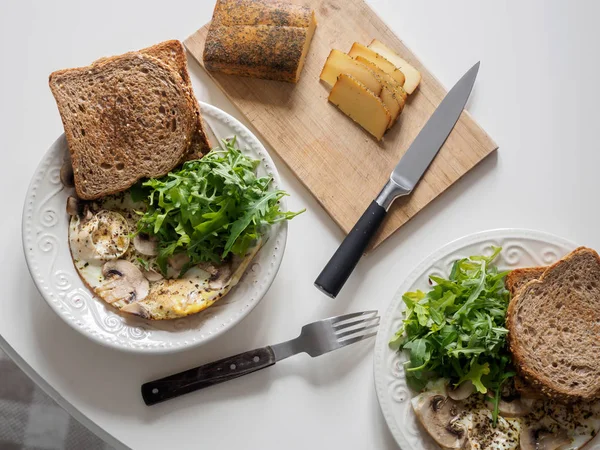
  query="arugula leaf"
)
[
  {"x": 209, "y": 208},
  {"x": 475, "y": 373},
  {"x": 142, "y": 262},
  {"x": 457, "y": 329}
]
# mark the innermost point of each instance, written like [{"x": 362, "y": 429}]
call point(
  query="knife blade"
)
[{"x": 403, "y": 180}]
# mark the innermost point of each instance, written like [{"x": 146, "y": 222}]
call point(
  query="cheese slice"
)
[
  {"x": 360, "y": 104},
  {"x": 385, "y": 78},
  {"x": 392, "y": 94},
  {"x": 388, "y": 97},
  {"x": 370, "y": 55},
  {"x": 413, "y": 76},
  {"x": 339, "y": 62}
]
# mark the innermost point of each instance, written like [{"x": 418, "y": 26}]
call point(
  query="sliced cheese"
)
[
  {"x": 413, "y": 76},
  {"x": 370, "y": 55},
  {"x": 388, "y": 97},
  {"x": 339, "y": 62},
  {"x": 385, "y": 78},
  {"x": 360, "y": 104}
]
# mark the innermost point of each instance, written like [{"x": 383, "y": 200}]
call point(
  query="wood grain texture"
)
[{"x": 338, "y": 161}]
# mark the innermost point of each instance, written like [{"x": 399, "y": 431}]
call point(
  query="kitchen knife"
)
[{"x": 402, "y": 181}]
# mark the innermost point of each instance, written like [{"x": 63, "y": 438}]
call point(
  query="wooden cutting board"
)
[{"x": 339, "y": 162}]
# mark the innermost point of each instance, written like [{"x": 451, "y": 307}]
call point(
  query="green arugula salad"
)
[
  {"x": 457, "y": 330},
  {"x": 209, "y": 208}
]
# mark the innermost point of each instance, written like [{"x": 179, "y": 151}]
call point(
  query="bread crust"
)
[
  {"x": 518, "y": 278},
  {"x": 539, "y": 381},
  {"x": 259, "y": 38}
]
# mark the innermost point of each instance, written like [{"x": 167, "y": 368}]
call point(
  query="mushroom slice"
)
[
  {"x": 175, "y": 263},
  {"x": 104, "y": 237},
  {"x": 145, "y": 244},
  {"x": 438, "y": 415},
  {"x": 79, "y": 208},
  {"x": 152, "y": 275},
  {"x": 519, "y": 407},
  {"x": 541, "y": 439},
  {"x": 123, "y": 283},
  {"x": 462, "y": 392},
  {"x": 74, "y": 206},
  {"x": 220, "y": 277}
]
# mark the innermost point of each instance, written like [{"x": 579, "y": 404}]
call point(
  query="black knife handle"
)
[
  {"x": 207, "y": 375},
  {"x": 342, "y": 263}
]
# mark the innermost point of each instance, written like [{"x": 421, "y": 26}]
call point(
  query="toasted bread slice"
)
[
  {"x": 518, "y": 278},
  {"x": 126, "y": 118},
  {"x": 554, "y": 328},
  {"x": 172, "y": 53}
]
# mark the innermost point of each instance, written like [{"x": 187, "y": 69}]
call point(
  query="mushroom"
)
[
  {"x": 220, "y": 277},
  {"x": 517, "y": 407},
  {"x": 74, "y": 206},
  {"x": 79, "y": 208},
  {"x": 67, "y": 178},
  {"x": 178, "y": 260},
  {"x": 152, "y": 275},
  {"x": 145, "y": 244},
  {"x": 122, "y": 282},
  {"x": 541, "y": 439},
  {"x": 439, "y": 416},
  {"x": 462, "y": 392},
  {"x": 103, "y": 237},
  {"x": 137, "y": 309}
]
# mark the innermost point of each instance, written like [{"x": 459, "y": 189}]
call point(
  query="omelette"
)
[
  {"x": 465, "y": 421},
  {"x": 119, "y": 266}
]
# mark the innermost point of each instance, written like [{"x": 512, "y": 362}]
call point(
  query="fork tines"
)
[{"x": 351, "y": 328}]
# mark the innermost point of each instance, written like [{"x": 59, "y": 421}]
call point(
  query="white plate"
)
[
  {"x": 520, "y": 248},
  {"x": 46, "y": 249}
]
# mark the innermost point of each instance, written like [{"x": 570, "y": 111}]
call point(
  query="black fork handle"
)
[{"x": 207, "y": 375}]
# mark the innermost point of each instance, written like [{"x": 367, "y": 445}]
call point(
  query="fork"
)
[{"x": 315, "y": 339}]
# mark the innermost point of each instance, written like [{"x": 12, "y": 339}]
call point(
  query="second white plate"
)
[
  {"x": 520, "y": 248},
  {"x": 45, "y": 223}
]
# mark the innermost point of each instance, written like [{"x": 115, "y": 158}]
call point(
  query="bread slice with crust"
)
[
  {"x": 554, "y": 328},
  {"x": 518, "y": 278},
  {"x": 126, "y": 118},
  {"x": 514, "y": 281}
]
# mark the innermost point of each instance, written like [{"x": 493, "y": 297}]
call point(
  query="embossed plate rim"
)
[
  {"x": 132, "y": 334},
  {"x": 381, "y": 369}
]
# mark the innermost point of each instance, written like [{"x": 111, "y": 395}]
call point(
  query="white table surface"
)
[{"x": 536, "y": 95}]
